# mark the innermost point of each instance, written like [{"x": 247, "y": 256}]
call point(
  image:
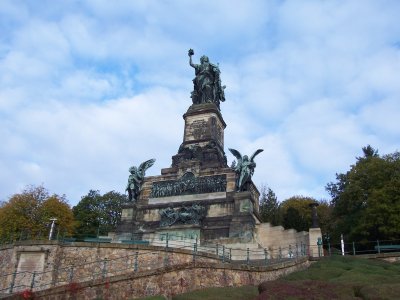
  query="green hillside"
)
[{"x": 336, "y": 277}]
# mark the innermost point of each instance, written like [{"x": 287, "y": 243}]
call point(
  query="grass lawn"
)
[
  {"x": 345, "y": 269},
  {"x": 239, "y": 293},
  {"x": 339, "y": 277},
  {"x": 336, "y": 277}
]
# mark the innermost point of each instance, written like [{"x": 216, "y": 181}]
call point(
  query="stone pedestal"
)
[
  {"x": 196, "y": 197},
  {"x": 203, "y": 139},
  {"x": 314, "y": 235},
  {"x": 244, "y": 216}
]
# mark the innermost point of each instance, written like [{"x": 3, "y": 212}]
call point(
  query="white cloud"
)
[
  {"x": 381, "y": 118},
  {"x": 86, "y": 85},
  {"x": 87, "y": 90},
  {"x": 95, "y": 144}
]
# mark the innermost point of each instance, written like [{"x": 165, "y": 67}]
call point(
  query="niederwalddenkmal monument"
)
[{"x": 199, "y": 197}]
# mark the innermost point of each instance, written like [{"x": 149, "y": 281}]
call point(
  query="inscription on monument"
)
[
  {"x": 198, "y": 128},
  {"x": 31, "y": 261},
  {"x": 176, "y": 235},
  {"x": 189, "y": 184}
]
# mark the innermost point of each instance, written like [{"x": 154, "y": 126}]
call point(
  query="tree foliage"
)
[
  {"x": 98, "y": 214},
  {"x": 28, "y": 214},
  {"x": 296, "y": 213},
  {"x": 366, "y": 199},
  {"x": 269, "y": 206}
]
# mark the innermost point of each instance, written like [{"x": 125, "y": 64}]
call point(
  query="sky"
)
[{"x": 90, "y": 88}]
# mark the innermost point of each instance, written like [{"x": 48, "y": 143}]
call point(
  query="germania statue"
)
[
  {"x": 135, "y": 180},
  {"x": 244, "y": 168},
  {"x": 207, "y": 83}
]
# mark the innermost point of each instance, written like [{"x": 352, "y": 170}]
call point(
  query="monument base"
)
[
  {"x": 196, "y": 197},
  {"x": 315, "y": 235}
]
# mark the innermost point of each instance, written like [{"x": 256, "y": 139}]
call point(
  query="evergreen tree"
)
[{"x": 269, "y": 207}]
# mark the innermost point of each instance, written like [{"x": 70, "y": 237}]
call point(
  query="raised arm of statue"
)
[{"x": 191, "y": 53}]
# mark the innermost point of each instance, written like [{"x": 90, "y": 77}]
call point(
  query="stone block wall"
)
[
  {"x": 25, "y": 258},
  {"x": 273, "y": 237},
  {"x": 76, "y": 262},
  {"x": 89, "y": 270},
  {"x": 6, "y": 263},
  {"x": 172, "y": 281}
]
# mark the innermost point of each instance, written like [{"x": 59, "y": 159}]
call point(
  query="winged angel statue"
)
[
  {"x": 244, "y": 168},
  {"x": 135, "y": 180}
]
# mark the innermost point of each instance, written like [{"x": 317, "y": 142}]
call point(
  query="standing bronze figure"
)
[{"x": 207, "y": 83}]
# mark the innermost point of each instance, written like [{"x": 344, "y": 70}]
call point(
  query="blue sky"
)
[{"x": 90, "y": 88}]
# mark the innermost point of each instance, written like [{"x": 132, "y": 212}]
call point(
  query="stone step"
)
[
  {"x": 184, "y": 243},
  {"x": 243, "y": 246},
  {"x": 234, "y": 251}
]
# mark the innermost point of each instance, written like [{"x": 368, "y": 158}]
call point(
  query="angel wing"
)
[
  {"x": 255, "y": 154},
  {"x": 144, "y": 166},
  {"x": 236, "y": 153}
]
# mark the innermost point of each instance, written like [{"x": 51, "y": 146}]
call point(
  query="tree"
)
[
  {"x": 98, "y": 214},
  {"x": 269, "y": 207},
  {"x": 366, "y": 199},
  {"x": 368, "y": 152},
  {"x": 28, "y": 214},
  {"x": 296, "y": 213},
  {"x": 292, "y": 218}
]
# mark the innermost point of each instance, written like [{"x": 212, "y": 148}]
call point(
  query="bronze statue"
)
[
  {"x": 207, "y": 83},
  {"x": 244, "y": 168},
  {"x": 135, "y": 180}
]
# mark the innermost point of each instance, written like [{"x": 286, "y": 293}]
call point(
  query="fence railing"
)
[
  {"x": 223, "y": 250},
  {"x": 360, "y": 247},
  {"x": 162, "y": 256},
  {"x": 146, "y": 260}
]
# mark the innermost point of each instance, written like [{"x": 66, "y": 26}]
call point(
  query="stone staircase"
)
[{"x": 232, "y": 248}]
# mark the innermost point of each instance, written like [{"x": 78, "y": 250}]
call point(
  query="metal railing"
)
[
  {"x": 146, "y": 260},
  {"x": 360, "y": 247}
]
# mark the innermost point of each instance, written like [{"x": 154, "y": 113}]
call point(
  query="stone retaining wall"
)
[
  {"x": 6, "y": 253},
  {"x": 63, "y": 263},
  {"x": 171, "y": 281},
  {"x": 6, "y": 264},
  {"x": 273, "y": 237}
]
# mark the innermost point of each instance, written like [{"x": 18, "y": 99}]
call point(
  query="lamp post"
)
[
  {"x": 314, "y": 215},
  {"x": 100, "y": 220},
  {"x": 52, "y": 227}
]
